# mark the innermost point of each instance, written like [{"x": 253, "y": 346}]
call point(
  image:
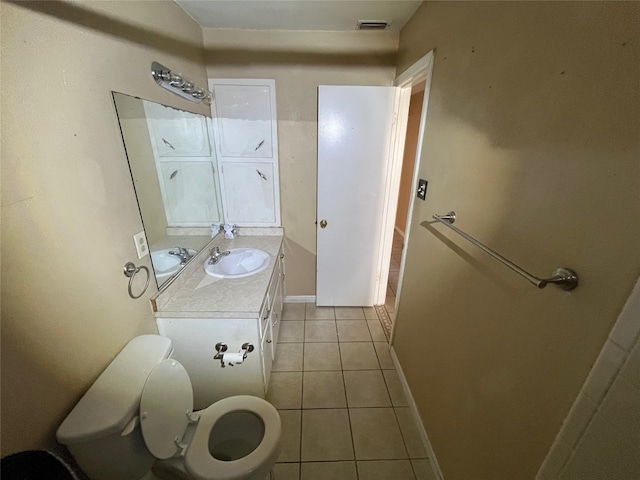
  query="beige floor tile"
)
[
  {"x": 409, "y": 431},
  {"x": 290, "y": 437},
  {"x": 422, "y": 469},
  {"x": 291, "y": 332},
  {"x": 349, "y": 313},
  {"x": 329, "y": 471},
  {"x": 375, "y": 329},
  {"x": 384, "y": 357},
  {"x": 323, "y": 390},
  {"x": 319, "y": 313},
  {"x": 366, "y": 388},
  {"x": 321, "y": 356},
  {"x": 370, "y": 313},
  {"x": 376, "y": 434},
  {"x": 358, "y": 356},
  {"x": 293, "y": 311},
  {"x": 353, "y": 331},
  {"x": 286, "y": 471},
  {"x": 398, "y": 398},
  {"x": 385, "y": 470},
  {"x": 285, "y": 390},
  {"x": 326, "y": 435},
  {"x": 288, "y": 358},
  {"x": 323, "y": 331}
]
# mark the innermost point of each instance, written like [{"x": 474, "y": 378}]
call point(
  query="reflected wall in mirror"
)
[{"x": 172, "y": 168}]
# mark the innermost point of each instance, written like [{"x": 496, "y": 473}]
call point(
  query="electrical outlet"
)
[
  {"x": 141, "y": 244},
  {"x": 421, "y": 193}
]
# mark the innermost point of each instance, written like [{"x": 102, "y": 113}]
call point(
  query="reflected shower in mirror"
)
[{"x": 172, "y": 167}]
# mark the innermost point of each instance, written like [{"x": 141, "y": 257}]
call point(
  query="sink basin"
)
[
  {"x": 241, "y": 262},
  {"x": 166, "y": 265}
]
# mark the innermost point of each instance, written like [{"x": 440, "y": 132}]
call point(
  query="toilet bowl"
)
[{"x": 236, "y": 438}]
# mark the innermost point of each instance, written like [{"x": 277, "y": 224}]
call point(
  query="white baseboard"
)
[
  {"x": 416, "y": 417},
  {"x": 300, "y": 299}
]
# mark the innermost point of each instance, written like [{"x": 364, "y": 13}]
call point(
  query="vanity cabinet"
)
[
  {"x": 194, "y": 339},
  {"x": 244, "y": 125}
]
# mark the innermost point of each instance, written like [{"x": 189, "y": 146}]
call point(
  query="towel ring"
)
[{"x": 130, "y": 271}]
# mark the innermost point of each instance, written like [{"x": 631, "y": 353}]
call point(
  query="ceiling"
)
[{"x": 325, "y": 15}]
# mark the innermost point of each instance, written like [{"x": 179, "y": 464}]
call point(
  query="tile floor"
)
[{"x": 344, "y": 413}]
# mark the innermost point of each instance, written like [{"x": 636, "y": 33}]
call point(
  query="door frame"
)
[{"x": 420, "y": 71}]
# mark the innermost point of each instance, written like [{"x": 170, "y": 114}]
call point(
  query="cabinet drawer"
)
[{"x": 264, "y": 317}]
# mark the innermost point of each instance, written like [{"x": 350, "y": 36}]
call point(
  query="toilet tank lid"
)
[{"x": 114, "y": 398}]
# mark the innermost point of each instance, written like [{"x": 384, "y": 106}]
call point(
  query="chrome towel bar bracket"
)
[{"x": 563, "y": 277}]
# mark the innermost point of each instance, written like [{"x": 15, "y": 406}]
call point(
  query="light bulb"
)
[
  {"x": 188, "y": 86},
  {"x": 176, "y": 80}
]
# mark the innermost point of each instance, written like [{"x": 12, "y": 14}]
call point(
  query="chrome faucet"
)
[
  {"x": 182, "y": 253},
  {"x": 215, "y": 255}
]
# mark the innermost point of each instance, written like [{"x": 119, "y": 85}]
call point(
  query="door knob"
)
[{"x": 323, "y": 223}]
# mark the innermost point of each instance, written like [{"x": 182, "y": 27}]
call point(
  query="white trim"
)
[
  {"x": 419, "y": 71},
  {"x": 300, "y": 299},
  {"x": 391, "y": 189},
  {"x": 433, "y": 461},
  {"x": 416, "y": 72}
]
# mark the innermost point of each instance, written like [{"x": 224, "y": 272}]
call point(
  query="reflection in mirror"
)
[{"x": 172, "y": 168}]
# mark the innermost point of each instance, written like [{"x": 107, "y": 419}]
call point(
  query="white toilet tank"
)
[{"x": 102, "y": 432}]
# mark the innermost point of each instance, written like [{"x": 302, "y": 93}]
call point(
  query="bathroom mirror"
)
[{"x": 172, "y": 162}]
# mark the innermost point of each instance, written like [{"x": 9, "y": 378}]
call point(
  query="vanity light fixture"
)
[{"x": 176, "y": 83}]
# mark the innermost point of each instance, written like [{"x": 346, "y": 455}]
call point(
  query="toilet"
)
[{"x": 138, "y": 416}]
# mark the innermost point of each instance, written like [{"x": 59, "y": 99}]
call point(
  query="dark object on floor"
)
[{"x": 34, "y": 465}]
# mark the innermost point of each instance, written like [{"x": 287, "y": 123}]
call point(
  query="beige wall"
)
[
  {"x": 299, "y": 62},
  {"x": 532, "y": 136},
  {"x": 409, "y": 159},
  {"x": 68, "y": 205}
]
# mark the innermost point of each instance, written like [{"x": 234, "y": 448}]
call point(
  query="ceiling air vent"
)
[{"x": 372, "y": 25}]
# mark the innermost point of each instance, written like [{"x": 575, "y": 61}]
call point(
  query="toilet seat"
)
[
  {"x": 166, "y": 411},
  {"x": 198, "y": 461}
]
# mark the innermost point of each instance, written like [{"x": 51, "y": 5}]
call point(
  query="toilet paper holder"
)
[{"x": 231, "y": 358}]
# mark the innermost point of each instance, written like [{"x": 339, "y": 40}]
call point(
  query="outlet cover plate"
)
[
  {"x": 141, "y": 244},
  {"x": 421, "y": 193}
]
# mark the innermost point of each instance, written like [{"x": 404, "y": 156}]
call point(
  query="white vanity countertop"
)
[{"x": 201, "y": 295}]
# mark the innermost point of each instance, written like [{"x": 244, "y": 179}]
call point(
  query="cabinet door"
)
[
  {"x": 267, "y": 357},
  {"x": 189, "y": 192},
  {"x": 244, "y": 118},
  {"x": 176, "y": 133},
  {"x": 275, "y": 303},
  {"x": 276, "y": 314},
  {"x": 249, "y": 193}
]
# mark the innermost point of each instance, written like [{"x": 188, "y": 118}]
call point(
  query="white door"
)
[{"x": 355, "y": 130}]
